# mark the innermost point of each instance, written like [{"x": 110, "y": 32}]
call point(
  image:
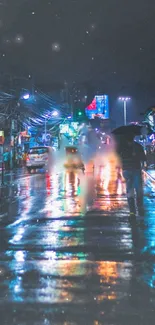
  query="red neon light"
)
[{"x": 92, "y": 106}]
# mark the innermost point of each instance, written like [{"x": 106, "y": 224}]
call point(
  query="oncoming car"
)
[
  {"x": 73, "y": 158},
  {"x": 39, "y": 157}
]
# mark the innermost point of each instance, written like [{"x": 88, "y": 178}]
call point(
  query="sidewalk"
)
[
  {"x": 149, "y": 175},
  {"x": 8, "y": 189},
  {"x": 10, "y": 176}
]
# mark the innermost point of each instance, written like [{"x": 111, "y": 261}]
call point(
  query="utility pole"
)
[
  {"x": 2, "y": 155},
  {"x": 72, "y": 106},
  {"x": 2, "y": 178},
  {"x": 11, "y": 129},
  {"x": 32, "y": 85},
  {"x": 124, "y": 100},
  {"x": 124, "y": 112},
  {"x": 69, "y": 99},
  {"x": 45, "y": 128}
]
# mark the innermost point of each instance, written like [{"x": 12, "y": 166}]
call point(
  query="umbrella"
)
[{"x": 132, "y": 130}]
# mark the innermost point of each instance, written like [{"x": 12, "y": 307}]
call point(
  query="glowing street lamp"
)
[
  {"x": 26, "y": 96},
  {"x": 124, "y": 100},
  {"x": 55, "y": 113}
]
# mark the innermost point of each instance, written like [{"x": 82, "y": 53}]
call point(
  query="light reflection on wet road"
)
[{"x": 70, "y": 255}]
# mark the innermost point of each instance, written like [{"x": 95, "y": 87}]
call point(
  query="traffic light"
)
[{"x": 79, "y": 113}]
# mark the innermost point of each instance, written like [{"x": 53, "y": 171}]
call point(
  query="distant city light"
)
[{"x": 69, "y": 117}]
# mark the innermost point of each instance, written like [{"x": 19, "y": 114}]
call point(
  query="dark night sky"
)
[{"x": 110, "y": 43}]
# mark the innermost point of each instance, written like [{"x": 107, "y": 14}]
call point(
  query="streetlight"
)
[
  {"x": 124, "y": 100},
  {"x": 26, "y": 96},
  {"x": 55, "y": 113}
]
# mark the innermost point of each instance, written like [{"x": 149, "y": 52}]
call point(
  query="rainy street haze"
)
[
  {"x": 77, "y": 153},
  {"x": 70, "y": 254}
]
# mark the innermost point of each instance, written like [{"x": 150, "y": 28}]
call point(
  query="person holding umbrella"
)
[{"x": 133, "y": 158}]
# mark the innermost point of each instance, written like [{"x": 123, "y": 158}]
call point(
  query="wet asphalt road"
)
[{"x": 69, "y": 254}]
